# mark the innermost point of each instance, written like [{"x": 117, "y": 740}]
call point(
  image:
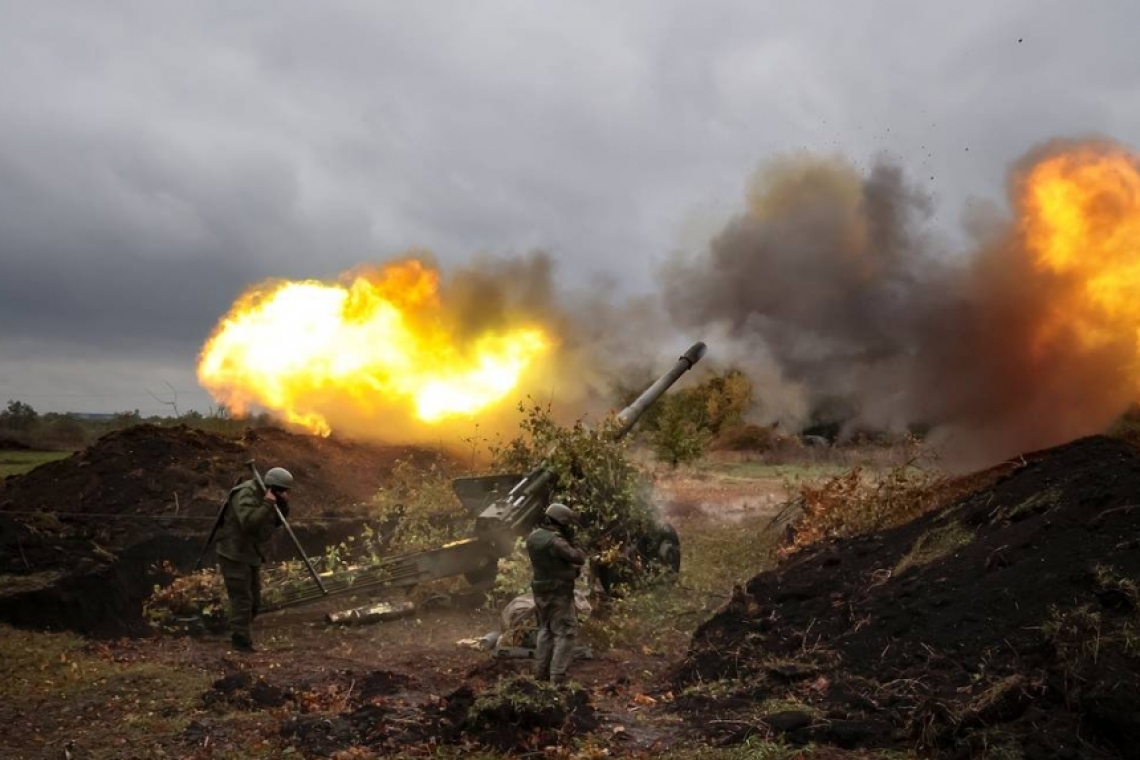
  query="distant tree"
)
[
  {"x": 727, "y": 398},
  {"x": 682, "y": 423},
  {"x": 681, "y": 429},
  {"x": 18, "y": 416}
]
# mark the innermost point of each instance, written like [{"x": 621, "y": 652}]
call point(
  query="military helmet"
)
[
  {"x": 278, "y": 477},
  {"x": 561, "y": 514}
]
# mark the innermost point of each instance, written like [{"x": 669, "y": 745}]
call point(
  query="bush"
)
[
  {"x": 592, "y": 474},
  {"x": 681, "y": 435},
  {"x": 853, "y": 504},
  {"x": 188, "y": 601},
  {"x": 418, "y": 509}
]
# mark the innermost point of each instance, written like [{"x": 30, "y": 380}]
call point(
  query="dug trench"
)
[{"x": 102, "y": 594}]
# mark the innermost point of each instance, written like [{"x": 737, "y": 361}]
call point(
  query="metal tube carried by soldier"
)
[
  {"x": 250, "y": 515},
  {"x": 285, "y": 523},
  {"x": 373, "y": 613}
]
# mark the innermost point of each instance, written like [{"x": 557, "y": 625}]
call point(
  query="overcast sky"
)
[{"x": 156, "y": 158}]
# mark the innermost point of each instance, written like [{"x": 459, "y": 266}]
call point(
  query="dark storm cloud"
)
[
  {"x": 169, "y": 155},
  {"x": 132, "y": 252}
]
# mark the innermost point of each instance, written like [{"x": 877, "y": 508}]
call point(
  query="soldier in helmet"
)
[
  {"x": 556, "y": 563},
  {"x": 248, "y": 524}
]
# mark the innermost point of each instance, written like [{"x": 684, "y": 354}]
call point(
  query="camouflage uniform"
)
[
  {"x": 556, "y": 564},
  {"x": 246, "y": 528}
]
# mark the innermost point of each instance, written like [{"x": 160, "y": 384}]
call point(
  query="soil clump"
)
[{"x": 515, "y": 715}]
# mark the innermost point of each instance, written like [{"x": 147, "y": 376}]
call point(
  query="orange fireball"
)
[
  {"x": 383, "y": 339},
  {"x": 1081, "y": 223}
]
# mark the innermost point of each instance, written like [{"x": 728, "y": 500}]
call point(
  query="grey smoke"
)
[{"x": 836, "y": 274}]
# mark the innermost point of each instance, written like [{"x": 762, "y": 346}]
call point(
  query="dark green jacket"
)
[
  {"x": 554, "y": 561},
  {"x": 248, "y": 524}
]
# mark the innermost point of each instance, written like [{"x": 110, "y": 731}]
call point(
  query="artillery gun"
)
[{"x": 505, "y": 507}]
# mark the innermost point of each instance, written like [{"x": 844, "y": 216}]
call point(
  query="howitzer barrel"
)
[
  {"x": 521, "y": 508},
  {"x": 629, "y": 416},
  {"x": 502, "y": 515}
]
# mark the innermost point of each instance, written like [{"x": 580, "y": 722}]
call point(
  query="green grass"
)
[
  {"x": 58, "y": 685},
  {"x": 19, "y": 462},
  {"x": 660, "y": 620}
]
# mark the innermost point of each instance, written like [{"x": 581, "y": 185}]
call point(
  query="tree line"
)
[
  {"x": 716, "y": 412},
  {"x": 21, "y": 426}
]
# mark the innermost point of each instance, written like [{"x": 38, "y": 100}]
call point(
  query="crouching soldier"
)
[
  {"x": 556, "y": 563},
  {"x": 246, "y": 528}
]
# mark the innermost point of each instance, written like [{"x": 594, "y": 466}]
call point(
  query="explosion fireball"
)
[
  {"x": 1081, "y": 222},
  {"x": 385, "y": 339}
]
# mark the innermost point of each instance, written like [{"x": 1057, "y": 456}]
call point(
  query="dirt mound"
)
[
  {"x": 83, "y": 540},
  {"x": 1005, "y": 621},
  {"x": 180, "y": 470}
]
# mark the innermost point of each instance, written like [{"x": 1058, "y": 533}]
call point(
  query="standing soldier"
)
[
  {"x": 556, "y": 563},
  {"x": 246, "y": 528}
]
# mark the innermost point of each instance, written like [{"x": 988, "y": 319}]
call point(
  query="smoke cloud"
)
[
  {"x": 839, "y": 278},
  {"x": 831, "y": 290}
]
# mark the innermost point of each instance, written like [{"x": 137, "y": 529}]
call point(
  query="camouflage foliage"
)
[{"x": 594, "y": 475}]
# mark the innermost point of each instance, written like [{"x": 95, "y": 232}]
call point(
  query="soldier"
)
[
  {"x": 556, "y": 563},
  {"x": 246, "y": 528}
]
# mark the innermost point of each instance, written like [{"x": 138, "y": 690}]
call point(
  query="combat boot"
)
[{"x": 242, "y": 643}]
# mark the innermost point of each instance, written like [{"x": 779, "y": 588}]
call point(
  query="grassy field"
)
[{"x": 19, "y": 462}]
